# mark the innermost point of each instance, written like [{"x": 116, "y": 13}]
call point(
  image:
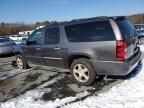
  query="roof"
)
[{"x": 74, "y": 21}]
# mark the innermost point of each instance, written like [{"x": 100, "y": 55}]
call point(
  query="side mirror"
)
[{"x": 24, "y": 41}]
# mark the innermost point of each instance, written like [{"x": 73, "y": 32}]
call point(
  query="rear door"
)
[
  {"x": 52, "y": 52},
  {"x": 32, "y": 51},
  {"x": 129, "y": 34}
]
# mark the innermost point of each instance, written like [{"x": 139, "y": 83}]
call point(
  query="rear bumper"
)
[{"x": 116, "y": 67}]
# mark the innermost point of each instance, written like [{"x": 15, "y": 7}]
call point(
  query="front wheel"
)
[
  {"x": 20, "y": 62},
  {"x": 83, "y": 72}
]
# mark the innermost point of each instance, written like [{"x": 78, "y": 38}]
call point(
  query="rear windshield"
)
[
  {"x": 126, "y": 27},
  {"x": 89, "y": 32},
  {"x": 4, "y": 40}
]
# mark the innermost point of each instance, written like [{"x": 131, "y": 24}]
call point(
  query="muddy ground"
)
[{"x": 32, "y": 78}]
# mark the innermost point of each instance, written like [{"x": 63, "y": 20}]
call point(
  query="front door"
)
[{"x": 32, "y": 51}]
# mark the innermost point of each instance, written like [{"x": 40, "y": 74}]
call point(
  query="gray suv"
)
[{"x": 88, "y": 48}]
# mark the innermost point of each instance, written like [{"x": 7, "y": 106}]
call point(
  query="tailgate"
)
[{"x": 129, "y": 34}]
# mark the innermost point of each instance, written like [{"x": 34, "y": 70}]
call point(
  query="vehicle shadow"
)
[{"x": 6, "y": 55}]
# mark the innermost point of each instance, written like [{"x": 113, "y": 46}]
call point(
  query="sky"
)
[{"x": 31, "y": 11}]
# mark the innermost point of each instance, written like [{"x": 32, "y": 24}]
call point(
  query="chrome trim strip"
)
[
  {"x": 46, "y": 57},
  {"x": 53, "y": 58}
]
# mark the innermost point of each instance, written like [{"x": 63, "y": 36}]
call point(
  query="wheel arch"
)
[{"x": 72, "y": 57}]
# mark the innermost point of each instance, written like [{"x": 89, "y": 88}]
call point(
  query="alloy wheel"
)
[
  {"x": 81, "y": 73},
  {"x": 19, "y": 63}
]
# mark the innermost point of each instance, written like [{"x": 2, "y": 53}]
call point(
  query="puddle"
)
[
  {"x": 32, "y": 77},
  {"x": 59, "y": 90},
  {"x": 67, "y": 87}
]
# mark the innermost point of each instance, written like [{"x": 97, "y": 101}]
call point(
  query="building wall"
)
[{"x": 25, "y": 32}]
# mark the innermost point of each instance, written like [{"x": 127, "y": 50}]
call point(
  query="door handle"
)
[
  {"x": 57, "y": 48},
  {"x": 38, "y": 48}
]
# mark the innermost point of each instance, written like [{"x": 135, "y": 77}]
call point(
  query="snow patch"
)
[
  {"x": 141, "y": 48},
  {"x": 51, "y": 81},
  {"x": 7, "y": 74}
]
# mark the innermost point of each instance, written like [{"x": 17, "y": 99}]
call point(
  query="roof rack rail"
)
[
  {"x": 120, "y": 17},
  {"x": 101, "y": 17},
  {"x": 75, "y": 20}
]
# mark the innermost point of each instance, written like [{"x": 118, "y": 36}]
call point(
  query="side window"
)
[
  {"x": 52, "y": 36},
  {"x": 36, "y": 38},
  {"x": 89, "y": 32}
]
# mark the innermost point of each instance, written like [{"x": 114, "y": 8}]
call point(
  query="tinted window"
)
[
  {"x": 36, "y": 38},
  {"x": 52, "y": 36},
  {"x": 126, "y": 27},
  {"x": 4, "y": 40},
  {"x": 88, "y": 32}
]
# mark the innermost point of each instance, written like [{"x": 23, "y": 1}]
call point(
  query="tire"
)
[
  {"x": 83, "y": 72},
  {"x": 20, "y": 62},
  {"x": 141, "y": 41}
]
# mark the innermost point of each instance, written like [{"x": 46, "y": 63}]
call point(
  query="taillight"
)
[{"x": 121, "y": 50}]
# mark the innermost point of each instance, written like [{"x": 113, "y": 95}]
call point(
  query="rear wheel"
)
[
  {"x": 20, "y": 62},
  {"x": 83, "y": 72},
  {"x": 141, "y": 40}
]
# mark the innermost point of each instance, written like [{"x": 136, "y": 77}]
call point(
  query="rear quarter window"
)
[
  {"x": 126, "y": 27},
  {"x": 90, "y": 32}
]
